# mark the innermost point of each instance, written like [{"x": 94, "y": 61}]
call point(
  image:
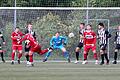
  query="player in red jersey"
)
[
  {"x": 89, "y": 43},
  {"x": 35, "y": 47},
  {"x": 16, "y": 36}
]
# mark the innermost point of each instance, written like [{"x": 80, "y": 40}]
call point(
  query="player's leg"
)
[
  {"x": 47, "y": 55},
  {"x": 77, "y": 51},
  {"x": 27, "y": 56},
  {"x": 102, "y": 53},
  {"x": 65, "y": 53},
  {"x": 27, "y": 53},
  {"x": 116, "y": 53},
  {"x": 2, "y": 55},
  {"x": 30, "y": 59},
  {"x": 77, "y": 54},
  {"x": 102, "y": 57},
  {"x": 13, "y": 54},
  {"x": 95, "y": 54},
  {"x": 106, "y": 57},
  {"x": 19, "y": 54},
  {"x": 85, "y": 54}
]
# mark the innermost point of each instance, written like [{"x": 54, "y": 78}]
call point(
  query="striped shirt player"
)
[
  {"x": 27, "y": 46},
  {"x": 117, "y": 41},
  {"x": 103, "y": 36},
  {"x": 80, "y": 45},
  {"x": 1, "y": 51}
]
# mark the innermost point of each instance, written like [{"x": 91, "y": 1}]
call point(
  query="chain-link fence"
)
[
  {"x": 47, "y": 22},
  {"x": 60, "y": 3}
]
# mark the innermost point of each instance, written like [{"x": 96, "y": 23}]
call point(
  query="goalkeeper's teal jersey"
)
[{"x": 57, "y": 41}]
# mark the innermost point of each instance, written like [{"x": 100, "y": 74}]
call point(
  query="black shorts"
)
[
  {"x": 80, "y": 45},
  {"x": 26, "y": 48},
  {"x": 103, "y": 46},
  {"x": 117, "y": 46}
]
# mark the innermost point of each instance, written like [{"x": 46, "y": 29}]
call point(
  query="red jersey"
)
[
  {"x": 32, "y": 40},
  {"x": 16, "y": 37},
  {"x": 89, "y": 37}
]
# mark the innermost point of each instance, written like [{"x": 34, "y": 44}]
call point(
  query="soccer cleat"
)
[
  {"x": 96, "y": 62},
  {"x": 84, "y": 62},
  {"x": 12, "y": 62},
  {"x": 27, "y": 62},
  {"x": 101, "y": 63},
  {"x": 114, "y": 62},
  {"x": 18, "y": 61},
  {"x": 3, "y": 60},
  {"x": 69, "y": 60},
  {"x": 107, "y": 63},
  {"x": 30, "y": 64},
  {"x": 76, "y": 62},
  {"x": 44, "y": 60},
  {"x": 50, "y": 48}
]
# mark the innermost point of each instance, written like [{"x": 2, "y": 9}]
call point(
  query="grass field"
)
[{"x": 59, "y": 71}]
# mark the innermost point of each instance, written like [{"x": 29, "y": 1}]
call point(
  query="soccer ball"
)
[{"x": 71, "y": 35}]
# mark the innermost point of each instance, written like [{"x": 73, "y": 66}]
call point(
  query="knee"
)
[{"x": 77, "y": 49}]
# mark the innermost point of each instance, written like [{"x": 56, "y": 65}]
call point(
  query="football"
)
[{"x": 71, "y": 35}]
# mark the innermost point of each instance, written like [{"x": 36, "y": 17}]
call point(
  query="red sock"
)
[
  {"x": 30, "y": 58},
  {"x": 85, "y": 56},
  {"x": 19, "y": 56},
  {"x": 95, "y": 56},
  {"x": 43, "y": 51},
  {"x": 13, "y": 55}
]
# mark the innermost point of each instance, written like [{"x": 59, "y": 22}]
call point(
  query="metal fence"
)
[{"x": 47, "y": 21}]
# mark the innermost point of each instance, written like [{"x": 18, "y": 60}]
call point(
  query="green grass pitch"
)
[{"x": 59, "y": 71}]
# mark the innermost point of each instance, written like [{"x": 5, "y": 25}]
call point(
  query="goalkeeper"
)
[{"x": 58, "y": 42}]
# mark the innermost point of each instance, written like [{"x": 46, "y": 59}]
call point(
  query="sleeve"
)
[
  {"x": 107, "y": 34},
  {"x": 34, "y": 35},
  {"x": 1, "y": 35},
  {"x": 115, "y": 37},
  {"x": 51, "y": 41},
  {"x": 64, "y": 39},
  {"x": 12, "y": 37},
  {"x": 24, "y": 38}
]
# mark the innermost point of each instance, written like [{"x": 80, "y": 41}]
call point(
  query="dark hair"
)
[
  {"x": 101, "y": 24},
  {"x": 89, "y": 25},
  {"x": 83, "y": 24},
  {"x": 17, "y": 28},
  {"x": 29, "y": 23}
]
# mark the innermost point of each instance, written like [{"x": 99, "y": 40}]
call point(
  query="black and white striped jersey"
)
[
  {"x": 103, "y": 36},
  {"x": 81, "y": 34},
  {"x": 117, "y": 37}
]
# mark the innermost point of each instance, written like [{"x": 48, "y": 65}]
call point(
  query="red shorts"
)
[
  {"x": 88, "y": 47},
  {"x": 37, "y": 48},
  {"x": 17, "y": 47}
]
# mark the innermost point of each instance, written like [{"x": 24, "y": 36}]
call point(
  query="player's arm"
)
[
  {"x": 23, "y": 39},
  {"x": 108, "y": 35},
  {"x": 64, "y": 40},
  {"x": 13, "y": 37},
  {"x": 1, "y": 35},
  {"x": 51, "y": 41},
  {"x": 81, "y": 35},
  {"x": 115, "y": 39}
]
